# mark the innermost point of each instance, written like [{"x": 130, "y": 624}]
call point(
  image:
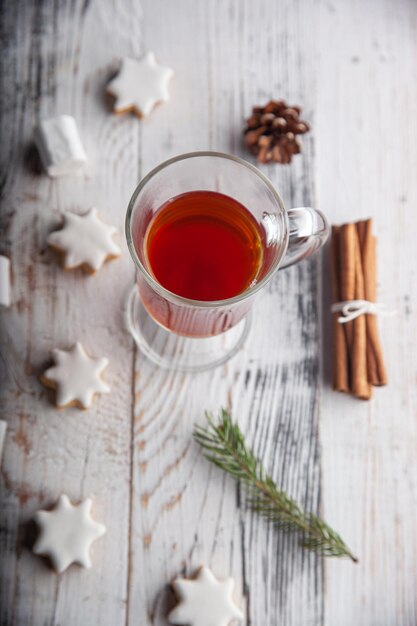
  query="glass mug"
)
[{"x": 191, "y": 335}]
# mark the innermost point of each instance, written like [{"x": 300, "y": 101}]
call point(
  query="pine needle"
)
[{"x": 224, "y": 445}]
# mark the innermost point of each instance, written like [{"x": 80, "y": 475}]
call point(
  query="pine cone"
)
[{"x": 271, "y": 132}]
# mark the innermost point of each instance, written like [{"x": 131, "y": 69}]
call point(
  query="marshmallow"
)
[
  {"x": 60, "y": 146},
  {"x": 3, "y": 427},
  {"x": 4, "y": 281}
]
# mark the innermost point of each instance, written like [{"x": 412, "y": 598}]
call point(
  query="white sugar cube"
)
[
  {"x": 5, "y": 281},
  {"x": 59, "y": 145}
]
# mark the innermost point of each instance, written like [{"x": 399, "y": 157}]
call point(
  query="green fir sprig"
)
[{"x": 225, "y": 446}]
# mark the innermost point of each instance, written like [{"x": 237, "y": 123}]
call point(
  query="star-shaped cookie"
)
[
  {"x": 66, "y": 533},
  {"x": 76, "y": 377},
  {"x": 204, "y": 601},
  {"x": 140, "y": 85},
  {"x": 84, "y": 241}
]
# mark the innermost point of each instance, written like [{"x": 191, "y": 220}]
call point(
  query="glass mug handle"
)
[{"x": 309, "y": 230}]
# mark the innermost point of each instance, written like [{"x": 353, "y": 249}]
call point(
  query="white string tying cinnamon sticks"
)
[{"x": 351, "y": 309}]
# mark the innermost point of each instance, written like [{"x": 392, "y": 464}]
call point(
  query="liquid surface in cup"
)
[{"x": 204, "y": 245}]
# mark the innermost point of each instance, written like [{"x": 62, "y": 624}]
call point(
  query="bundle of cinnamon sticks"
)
[{"x": 357, "y": 355}]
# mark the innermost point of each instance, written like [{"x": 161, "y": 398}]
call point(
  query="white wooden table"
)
[{"x": 352, "y": 65}]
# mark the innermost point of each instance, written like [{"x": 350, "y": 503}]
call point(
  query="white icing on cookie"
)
[
  {"x": 85, "y": 241},
  {"x": 75, "y": 376},
  {"x": 140, "y": 85},
  {"x": 67, "y": 533},
  {"x": 204, "y": 601}
]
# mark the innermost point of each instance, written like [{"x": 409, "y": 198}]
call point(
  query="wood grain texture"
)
[
  {"x": 183, "y": 510},
  {"x": 365, "y": 77},
  {"x": 61, "y": 66},
  {"x": 352, "y": 66}
]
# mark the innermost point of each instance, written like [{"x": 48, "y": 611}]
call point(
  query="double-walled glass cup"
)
[{"x": 193, "y": 335}]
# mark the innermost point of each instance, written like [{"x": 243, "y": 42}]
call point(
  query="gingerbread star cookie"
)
[
  {"x": 76, "y": 377},
  {"x": 204, "y": 601},
  {"x": 140, "y": 85},
  {"x": 84, "y": 241},
  {"x": 66, "y": 533}
]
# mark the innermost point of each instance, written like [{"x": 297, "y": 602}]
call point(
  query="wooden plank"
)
[
  {"x": 184, "y": 512},
  {"x": 57, "y": 60},
  {"x": 365, "y": 79}
]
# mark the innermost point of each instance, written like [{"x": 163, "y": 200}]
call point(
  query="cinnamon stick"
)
[
  {"x": 351, "y": 287},
  {"x": 376, "y": 369},
  {"x": 340, "y": 352},
  {"x": 347, "y": 272},
  {"x": 357, "y": 357},
  {"x": 359, "y": 364}
]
